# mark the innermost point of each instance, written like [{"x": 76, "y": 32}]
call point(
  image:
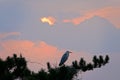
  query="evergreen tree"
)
[{"x": 16, "y": 67}]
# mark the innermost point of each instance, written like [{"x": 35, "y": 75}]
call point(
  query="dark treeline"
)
[{"x": 16, "y": 68}]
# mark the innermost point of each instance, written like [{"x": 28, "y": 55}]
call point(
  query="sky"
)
[{"x": 42, "y": 30}]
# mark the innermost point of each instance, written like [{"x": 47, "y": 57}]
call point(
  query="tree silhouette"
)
[
  {"x": 13, "y": 67},
  {"x": 16, "y": 67}
]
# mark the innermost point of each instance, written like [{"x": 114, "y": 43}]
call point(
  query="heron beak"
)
[{"x": 70, "y": 52}]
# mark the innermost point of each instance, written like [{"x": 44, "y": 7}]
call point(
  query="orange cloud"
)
[
  {"x": 4, "y": 35},
  {"x": 49, "y": 20},
  {"x": 110, "y": 13},
  {"x": 25, "y": 47},
  {"x": 37, "y": 52}
]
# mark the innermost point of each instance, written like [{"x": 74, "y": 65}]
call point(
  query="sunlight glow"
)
[{"x": 49, "y": 20}]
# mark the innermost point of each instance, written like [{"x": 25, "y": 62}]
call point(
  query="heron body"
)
[{"x": 64, "y": 58}]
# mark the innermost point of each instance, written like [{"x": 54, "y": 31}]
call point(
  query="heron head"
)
[{"x": 69, "y": 51}]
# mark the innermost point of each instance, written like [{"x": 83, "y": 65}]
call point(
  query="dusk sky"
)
[{"x": 42, "y": 30}]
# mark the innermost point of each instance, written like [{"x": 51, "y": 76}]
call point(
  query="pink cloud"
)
[
  {"x": 110, "y": 13},
  {"x": 38, "y": 52}
]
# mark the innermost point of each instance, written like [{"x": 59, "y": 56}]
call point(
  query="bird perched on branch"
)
[{"x": 64, "y": 58}]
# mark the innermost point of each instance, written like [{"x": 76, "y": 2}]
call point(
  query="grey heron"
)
[{"x": 64, "y": 58}]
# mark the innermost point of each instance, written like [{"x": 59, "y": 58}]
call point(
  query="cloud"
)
[
  {"x": 109, "y": 13},
  {"x": 26, "y": 46},
  {"x": 50, "y": 20},
  {"x": 38, "y": 52},
  {"x": 4, "y": 35}
]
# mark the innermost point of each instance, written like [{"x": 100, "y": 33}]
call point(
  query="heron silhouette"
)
[{"x": 64, "y": 58}]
